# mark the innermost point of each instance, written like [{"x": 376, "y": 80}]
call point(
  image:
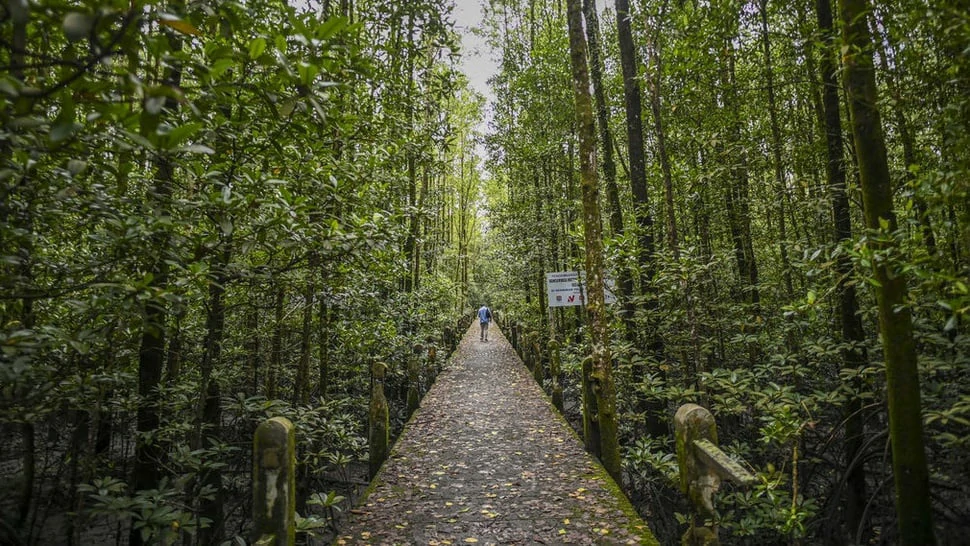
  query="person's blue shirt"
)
[{"x": 483, "y": 314}]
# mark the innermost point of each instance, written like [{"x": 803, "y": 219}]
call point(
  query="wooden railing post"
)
[
  {"x": 702, "y": 467},
  {"x": 274, "y": 483},
  {"x": 379, "y": 417},
  {"x": 555, "y": 364}
]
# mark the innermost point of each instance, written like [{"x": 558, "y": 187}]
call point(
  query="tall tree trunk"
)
[
  {"x": 301, "y": 388},
  {"x": 410, "y": 244},
  {"x": 323, "y": 338},
  {"x": 209, "y": 418},
  {"x": 602, "y": 373},
  {"x": 641, "y": 201},
  {"x": 776, "y": 144},
  {"x": 907, "y": 141},
  {"x": 602, "y": 117},
  {"x": 849, "y": 319},
  {"x": 253, "y": 357},
  {"x": 624, "y": 279},
  {"x": 737, "y": 189},
  {"x": 655, "y": 91},
  {"x": 149, "y": 455},
  {"x": 913, "y": 509},
  {"x": 276, "y": 348},
  {"x": 634, "y": 130}
]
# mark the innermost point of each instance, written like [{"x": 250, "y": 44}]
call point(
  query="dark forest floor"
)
[{"x": 487, "y": 460}]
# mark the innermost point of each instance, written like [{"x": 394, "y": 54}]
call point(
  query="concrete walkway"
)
[{"x": 487, "y": 460}]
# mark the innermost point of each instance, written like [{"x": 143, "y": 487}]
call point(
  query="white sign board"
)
[{"x": 568, "y": 288}]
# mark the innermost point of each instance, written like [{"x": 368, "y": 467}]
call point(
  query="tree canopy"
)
[{"x": 217, "y": 212}]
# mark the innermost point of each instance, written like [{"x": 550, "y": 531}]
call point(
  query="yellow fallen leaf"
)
[
  {"x": 565, "y": 521},
  {"x": 471, "y": 540}
]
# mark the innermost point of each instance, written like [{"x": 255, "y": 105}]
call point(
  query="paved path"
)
[{"x": 487, "y": 460}]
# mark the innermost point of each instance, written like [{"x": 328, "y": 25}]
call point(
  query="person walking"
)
[{"x": 484, "y": 317}]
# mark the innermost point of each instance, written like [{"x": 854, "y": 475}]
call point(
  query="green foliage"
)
[{"x": 244, "y": 169}]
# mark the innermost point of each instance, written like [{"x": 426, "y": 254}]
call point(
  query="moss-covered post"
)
[
  {"x": 514, "y": 334},
  {"x": 274, "y": 483},
  {"x": 529, "y": 350},
  {"x": 537, "y": 371},
  {"x": 448, "y": 338},
  {"x": 693, "y": 422},
  {"x": 591, "y": 426},
  {"x": 414, "y": 380},
  {"x": 433, "y": 368},
  {"x": 555, "y": 365},
  {"x": 379, "y": 419}
]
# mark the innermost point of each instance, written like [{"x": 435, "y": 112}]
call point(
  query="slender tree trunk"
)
[
  {"x": 910, "y": 472},
  {"x": 655, "y": 91},
  {"x": 410, "y": 245},
  {"x": 173, "y": 358},
  {"x": 602, "y": 373},
  {"x": 602, "y": 118},
  {"x": 634, "y": 129},
  {"x": 737, "y": 191},
  {"x": 276, "y": 348},
  {"x": 850, "y": 322},
  {"x": 209, "y": 418},
  {"x": 149, "y": 455},
  {"x": 907, "y": 141},
  {"x": 252, "y": 344},
  {"x": 776, "y": 144},
  {"x": 641, "y": 201},
  {"x": 323, "y": 338},
  {"x": 624, "y": 279},
  {"x": 301, "y": 390}
]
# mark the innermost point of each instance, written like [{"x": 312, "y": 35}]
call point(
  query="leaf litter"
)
[{"x": 485, "y": 460}]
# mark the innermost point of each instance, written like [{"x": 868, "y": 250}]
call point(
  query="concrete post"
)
[
  {"x": 537, "y": 371},
  {"x": 555, "y": 366},
  {"x": 433, "y": 368},
  {"x": 274, "y": 483},
  {"x": 414, "y": 380},
  {"x": 702, "y": 467},
  {"x": 379, "y": 419}
]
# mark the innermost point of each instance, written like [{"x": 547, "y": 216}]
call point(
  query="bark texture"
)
[
  {"x": 602, "y": 380},
  {"x": 895, "y": 321}
]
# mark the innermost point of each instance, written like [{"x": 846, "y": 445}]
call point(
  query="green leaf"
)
[
  {"x": 179, "y": 25},
  {"x": 332, "y": 26},
  {"x": 76, "y": 166},
  {"x": 226, "y": 225},
  {"x": 198, "y": 149},
  {"x": 63, "y": 130},
  {"x": 8, "y": 86},
  {"x": 220, "y": 67},
  {"x": 179, "y": 134},
  {"x": 257, "y": 47},
  {"x": 77, "y": 26}
]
